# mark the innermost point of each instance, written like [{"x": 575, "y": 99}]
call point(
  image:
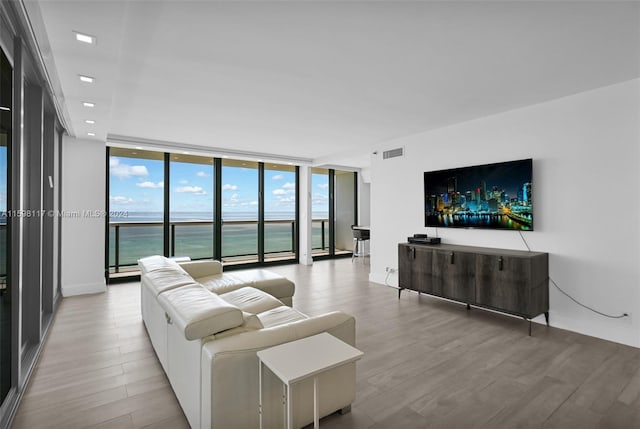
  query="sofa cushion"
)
[
  {"x": 251, "y": 300},
  {"x": 164, "y": 279},
  {"x": 204, "y": 268},
  {"x": 157, "y": 262},
  {"x": 198, "y": 312},
  {"x": 251, "y": 323},
  {"x": 280, "y": 316},
  {"x": 268, "y": 281}
]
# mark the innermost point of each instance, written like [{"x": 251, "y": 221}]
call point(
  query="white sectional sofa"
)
[{"x": 206, "y": 327}]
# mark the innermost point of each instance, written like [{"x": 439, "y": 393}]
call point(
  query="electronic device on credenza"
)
[{"x": 423, "y": 239}]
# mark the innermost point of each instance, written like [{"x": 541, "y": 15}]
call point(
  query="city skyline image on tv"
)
[{"x": 495, "y": 196}]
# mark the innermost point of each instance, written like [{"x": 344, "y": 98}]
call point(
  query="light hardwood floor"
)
[{"x": 428, "y": 363}]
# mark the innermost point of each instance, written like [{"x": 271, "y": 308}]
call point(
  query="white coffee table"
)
[{"x": 304, "y": 358}]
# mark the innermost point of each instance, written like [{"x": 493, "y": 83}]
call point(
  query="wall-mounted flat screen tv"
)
[{"x": 493, "y": 196}]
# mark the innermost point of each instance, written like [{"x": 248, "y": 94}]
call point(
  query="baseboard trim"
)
[{"x": 84, "y": 289}]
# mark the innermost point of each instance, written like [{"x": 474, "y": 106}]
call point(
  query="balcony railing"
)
[{"x": 130, "y": 241}]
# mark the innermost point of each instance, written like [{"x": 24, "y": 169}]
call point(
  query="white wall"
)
[
  {"x": 586, "y": 176},
  {"x": 83, "y": 221}
]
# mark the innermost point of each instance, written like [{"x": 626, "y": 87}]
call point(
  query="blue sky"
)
[{"x": 136, "y": 185}]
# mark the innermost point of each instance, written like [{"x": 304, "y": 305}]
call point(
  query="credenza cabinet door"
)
[
  {"x": 405, "y": 266},
  {"x": 503, "y": 282},
  {"x": 454, "y": 275},
  {"x": 415, "y": 269},
  {"x": 423, "y": 271}
]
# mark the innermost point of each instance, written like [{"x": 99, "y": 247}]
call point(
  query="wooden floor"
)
[{"x": 428, "y": 364}]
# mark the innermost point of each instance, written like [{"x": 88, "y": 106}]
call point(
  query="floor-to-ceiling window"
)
[
  {"x": 320, "y": 204},
  {"x": 345, "y": 210},
  {"x": 191, "y": 202},
  {"x": 280, "y": 209},
  {"x": 333, "y": 210},
  {"x": 240, "y": 201},
  {"x": 184, "y": 205},
  {"x": 5, "y": 290},
  {"x": 136, "y": 206}
]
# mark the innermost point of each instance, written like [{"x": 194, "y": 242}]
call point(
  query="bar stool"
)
[{"x": 359, "y": 237}]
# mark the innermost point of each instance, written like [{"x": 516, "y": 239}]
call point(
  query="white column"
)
[
  {"x": 83, "y": 240},
  {"x": 304, "y": 255}
]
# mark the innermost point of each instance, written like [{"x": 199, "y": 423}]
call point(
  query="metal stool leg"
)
[{"x": 355, "y": 248}]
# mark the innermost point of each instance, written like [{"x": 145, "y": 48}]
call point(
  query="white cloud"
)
[
  {"x": 150, "y": 185},
  {"x": 229, "y": 187},
  {"x": 287, "y": 188},
  {"x": 195, "y": 190},
  {"x": 323, "y": 185},
  {"x": 124, "y": 171},
  {"x": 120, "y": 200},
  {"x": 319, "y": 198},
  {"x": 277, "y": 177},
  {"x": 202, "y": 174},
  {"x": 183, "y": 182},
  {"x": 253, "y": 203}
]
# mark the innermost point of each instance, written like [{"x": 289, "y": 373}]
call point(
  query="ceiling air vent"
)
[{"x": 393, "y": 153}]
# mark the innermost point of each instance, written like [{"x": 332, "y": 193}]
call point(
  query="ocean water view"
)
[{"x": 141, "y": 234}]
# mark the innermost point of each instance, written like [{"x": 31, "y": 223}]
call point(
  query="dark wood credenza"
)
[{"x": 510, "y": 281}]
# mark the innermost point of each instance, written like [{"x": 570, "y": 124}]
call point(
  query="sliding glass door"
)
[
  {"x": 280, "y": 211},
  {"x": 334, "y": 211},
  {"x": 320, "y": 204},
  {"x": 136, "y": 207},
  {"x": 5, "y": 290},
  {"x": 191, "y": 206},
  {"x": 240, "y": 201}
]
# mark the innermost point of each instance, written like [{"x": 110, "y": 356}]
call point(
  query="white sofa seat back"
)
[
  {"x": 274, "y": 284},
  {"x": 156, "y": 262},
  {"x": 197, "y": 312}
]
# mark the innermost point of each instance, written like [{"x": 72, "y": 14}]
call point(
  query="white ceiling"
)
[{"x": 322, "y": 81}]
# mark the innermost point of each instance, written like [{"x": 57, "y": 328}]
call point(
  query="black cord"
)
[
  {"x": 569, "y": 296},
  {"x": 524, "y": 241},
  {"x": 587, "y": 307}
]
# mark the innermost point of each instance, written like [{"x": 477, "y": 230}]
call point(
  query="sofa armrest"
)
[
  {"x": 197, "y": 269},
  {"x": 229, "y": 370}
]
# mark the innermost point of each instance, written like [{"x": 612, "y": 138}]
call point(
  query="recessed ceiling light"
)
[
  {"x": 86, "y": 79},
  {"x": 186, "y": 153},
  {"x": 91, "y": 134},
  {"x": 89, "y": 121},
  {"x": 88, "y": 104},
  {"x": 290, "y": 163},
  {"x": 85, "y": 38},
  {"x": 259, "y": 160},
  {"x": 139, "y": 147},
  {"x": 225, "y": 156},
  {"x": 6, "y": 109}
]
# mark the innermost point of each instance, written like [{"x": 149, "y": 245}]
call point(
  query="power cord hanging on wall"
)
[{"x": 572, "y": 298}]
